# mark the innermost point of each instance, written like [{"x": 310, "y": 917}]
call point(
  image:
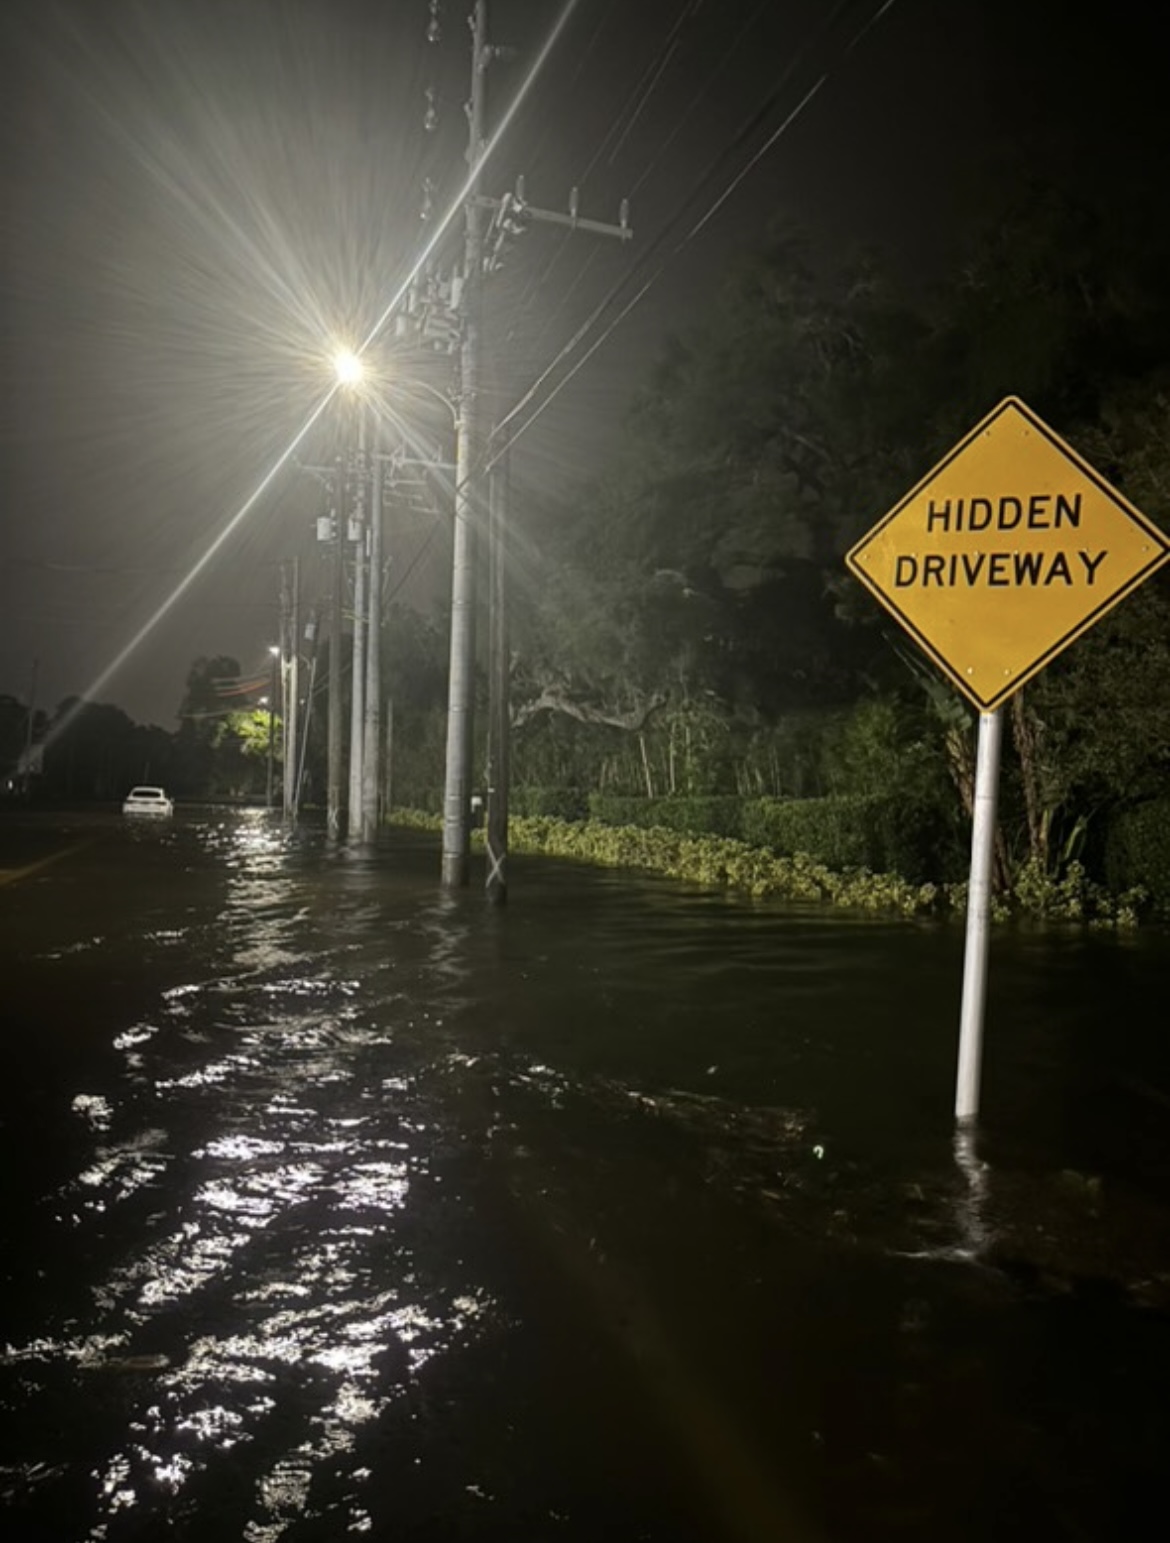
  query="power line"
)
[
  {"x": 714, "y": 167},
  {"x": 700, "y": 94},
  {"x": 631, "y": 110},
  {"x": 643, "y": 91},
  {"x": 745, "y": 133}
]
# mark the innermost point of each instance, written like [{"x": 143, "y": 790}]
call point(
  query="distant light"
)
[{"x": 348, "y": 367}]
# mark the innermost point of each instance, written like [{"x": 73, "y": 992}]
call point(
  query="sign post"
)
[
  {"x": 978, "y": 916},
  {"x": 1003, "y": 555}
]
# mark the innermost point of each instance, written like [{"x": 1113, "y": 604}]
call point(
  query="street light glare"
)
[{"x": 348, "y": 367}]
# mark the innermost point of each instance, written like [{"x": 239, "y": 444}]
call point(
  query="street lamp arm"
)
[{"x": 433, "y": 391}]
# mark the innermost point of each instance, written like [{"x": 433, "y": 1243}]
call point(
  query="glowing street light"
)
[{"x": 348, "y": 367}]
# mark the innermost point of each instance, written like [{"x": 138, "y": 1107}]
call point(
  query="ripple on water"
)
[
  {"x": 284, "y": 1238},
  {"x": 269, "y": 1302}
]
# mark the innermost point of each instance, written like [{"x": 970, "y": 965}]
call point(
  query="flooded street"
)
[{"x": 338, "y": 1206}]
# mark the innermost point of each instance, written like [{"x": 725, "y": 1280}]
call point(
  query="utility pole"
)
[
  {"x": 468, "y": 470},
  {"x": 358, "y": 668},
  {"x": 26, "y": 767},
  {"x": 333, "y": 730},
  {"x": 274, "y": 651},
  {"x": 499, "y": 670},
  {"x": 311, "y": 635},
  {"x": 388, "y": 767},
  {"x": 372, "y": 729},
  {"x": 290, "y": 681},
  {"x": 491, "y": 224}
]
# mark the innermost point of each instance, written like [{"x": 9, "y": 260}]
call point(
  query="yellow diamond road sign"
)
[{"x": 1005, "y": 553}]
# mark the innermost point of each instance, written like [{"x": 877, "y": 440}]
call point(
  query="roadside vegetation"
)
[
  {"x": 698, "y": 686},
  {"x": 693, "y": 667}
]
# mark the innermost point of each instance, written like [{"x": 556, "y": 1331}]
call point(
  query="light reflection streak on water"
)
[
  {"x": 271, "y": 1279},
  {"x": 280, "y": 1282}
]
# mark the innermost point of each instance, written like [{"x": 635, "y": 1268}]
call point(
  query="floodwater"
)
[{"x": 336, "y": 1206}]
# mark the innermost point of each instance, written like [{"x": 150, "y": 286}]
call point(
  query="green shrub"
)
[
  {"x": 707, "y": 815},
  {"x": 718, "y": 861},
  {"x": 721, "y": 861},
  {"x": 886, "y": 833},
  {"x": 1137, "y": 851},
  {"x": 882, "y": 832},
  {"x": 828, "y": 829},
  {"x": 562, "y": 803},
  {"x": 414, "y": 819}
]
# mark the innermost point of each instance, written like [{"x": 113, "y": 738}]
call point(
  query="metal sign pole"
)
[{"x": 978, "y": 916}]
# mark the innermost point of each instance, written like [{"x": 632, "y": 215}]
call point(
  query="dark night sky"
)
[{"x": 200, "y": 195}]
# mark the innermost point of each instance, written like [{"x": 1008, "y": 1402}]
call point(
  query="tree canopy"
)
[{"x": 703, "y": 572}]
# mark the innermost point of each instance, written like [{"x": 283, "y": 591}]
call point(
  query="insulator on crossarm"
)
[
  {"x": 574, "y": 202},
  {"x": 431, "y": 116},
  {"x": 624, "y": 214},
  {"x": 434, "y": 27}
]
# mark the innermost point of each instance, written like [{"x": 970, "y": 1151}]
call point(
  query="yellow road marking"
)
[{"x": 14, "y": 875}]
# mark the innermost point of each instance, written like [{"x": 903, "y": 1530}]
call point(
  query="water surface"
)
[{"x": 340, "y": 1206}]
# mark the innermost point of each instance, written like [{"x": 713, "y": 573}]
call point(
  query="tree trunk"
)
[
  {"x": 1026, "y": 734},
  {"x": 646, "y": 766}
]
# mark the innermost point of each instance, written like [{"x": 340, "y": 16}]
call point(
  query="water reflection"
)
[
  {"x": 377, "y": 1211},
  {"x": 260, "y": 1285},
  {"x": 971, "y": 1208}
]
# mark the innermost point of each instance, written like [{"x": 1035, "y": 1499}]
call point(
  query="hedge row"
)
[
  {"x": 722, "y": 861},
  {"x": 1137, "y": 851},
  {"x": 885, "y": 833},
  {"x": 560, "y": 803},
  {"x": 715, "y": 861}
]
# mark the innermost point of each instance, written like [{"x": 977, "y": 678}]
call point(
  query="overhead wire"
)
[
  {"x": 713, "y": 168},
  {"x": 643, "y": 90},
  {"x": 699, "y": 95},
  {"x": 632, "y": 108},
  {"x": 718, "y": 164}
]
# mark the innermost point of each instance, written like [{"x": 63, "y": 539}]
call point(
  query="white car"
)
[{"x": 147, "y": 801}]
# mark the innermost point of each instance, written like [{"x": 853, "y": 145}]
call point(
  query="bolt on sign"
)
[{"x": 1005, "y": 553}]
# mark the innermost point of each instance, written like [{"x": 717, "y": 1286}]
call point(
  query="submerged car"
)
[{"x": 147, "y": 801}]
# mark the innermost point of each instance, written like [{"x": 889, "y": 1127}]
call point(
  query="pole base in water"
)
[{"x": 455, "y": 870}]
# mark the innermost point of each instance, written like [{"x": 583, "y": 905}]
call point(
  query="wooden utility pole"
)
[
  {"x": 337, "y": 606},
  {"x": 491, "y": 226},
  {"x": 499, "y": 682},
  {"x": 290, "y": 642},
  {"x": 274, "y": 706},
  {"x": 468, "y": 472},
  {"x": 372, "y": 727},
  {"x": 357, "y": 689},
  {"x": 26, "y": 763}
]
